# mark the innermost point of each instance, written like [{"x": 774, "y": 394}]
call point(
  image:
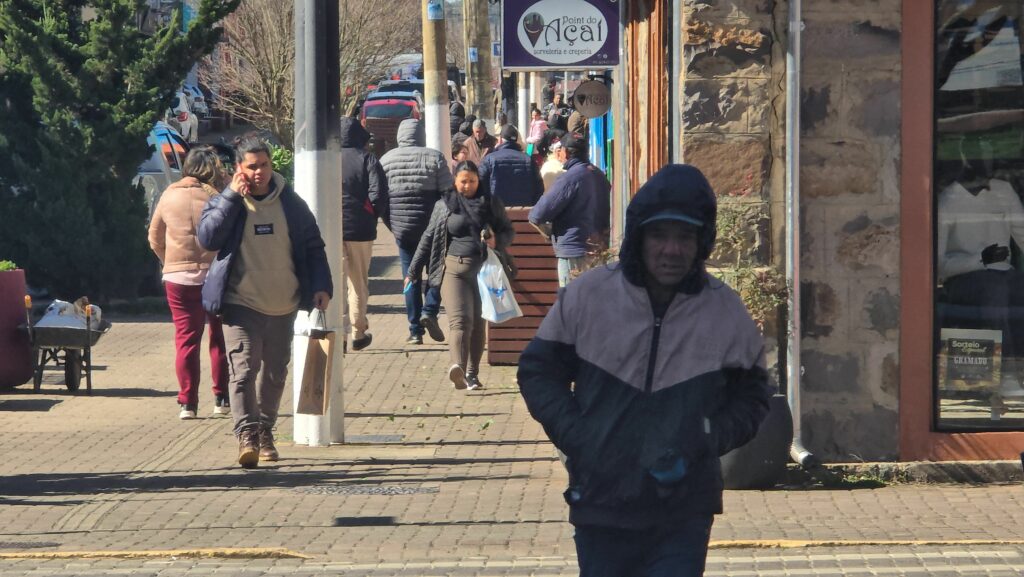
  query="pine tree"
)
[{"x": 77, "y": 100}]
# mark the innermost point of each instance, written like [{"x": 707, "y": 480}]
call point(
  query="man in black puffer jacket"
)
[
  {"x": 417, "y": 176},
  {"x": 364, "y": 198}
]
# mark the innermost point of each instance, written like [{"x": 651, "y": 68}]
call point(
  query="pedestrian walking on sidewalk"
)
[
  {"x": 509, "y": 174},
  {"x": 453, "y": 248},
  {"x": 485, "y": 142},
  {"x": 364, "y": 199},
  {"x": 417, "y": 176},
  {"x": 270, "y": 264},
  {"x": 576, "y": 210},
  {"x": 681, "y": 382},
  {"x": 172, "y": 236}
]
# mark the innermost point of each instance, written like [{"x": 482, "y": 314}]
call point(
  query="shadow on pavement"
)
[
  {"x": 39, "y": 405},
  {"x": 387, "y": 286},
  {"x": 392, "y": 521},
  {"x": 132, "y": 392},
  {"x": 281, "y": 476},
  {"x": 438, "y": 415},
  {"x": 382, "y": 265}
]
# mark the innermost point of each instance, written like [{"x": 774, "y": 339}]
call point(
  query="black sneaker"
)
[
  {"x": 473, "y": 383},
  {"x": 187, "y": 412},
  {"x": 222, "y": 406},
  {"x": 414, "y": 340},
  {"x": 362, "y": 343},
  {"x": 433, "y": 329}
]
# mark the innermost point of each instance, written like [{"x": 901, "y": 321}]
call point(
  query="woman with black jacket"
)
[{"x": 454, "y": 247}]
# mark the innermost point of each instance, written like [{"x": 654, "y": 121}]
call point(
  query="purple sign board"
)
[{"x": 560, "y": 34}]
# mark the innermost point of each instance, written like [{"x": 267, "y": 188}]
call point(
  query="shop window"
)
[{"x": 979, "y": 188}]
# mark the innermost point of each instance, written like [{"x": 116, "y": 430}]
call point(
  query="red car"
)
[{"x": 382, "y": 117}]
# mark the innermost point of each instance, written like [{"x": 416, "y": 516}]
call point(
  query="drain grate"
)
[
  {"x": 374, "y": 439},
  {"x": 15, "y": 545},
  {"x": 389, "y": 490}
]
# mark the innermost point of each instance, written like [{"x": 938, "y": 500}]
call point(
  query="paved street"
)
[{"x": 432, "y": 482}]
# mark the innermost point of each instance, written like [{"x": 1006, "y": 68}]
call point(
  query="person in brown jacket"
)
[{"x": 172, "y": 236}]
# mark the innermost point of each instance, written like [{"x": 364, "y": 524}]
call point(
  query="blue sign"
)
[{"x": 435, "y": 10}]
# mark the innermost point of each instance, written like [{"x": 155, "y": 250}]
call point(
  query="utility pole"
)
[
  {"x": 478, "y": 57},
  {"x": 318, "y": 182},
  {"x": 435, "y": 78}
]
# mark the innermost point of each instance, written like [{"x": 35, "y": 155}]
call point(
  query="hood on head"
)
[
  {"x": 353, "y": 135},
  {"x": 682, "y": 190},
  {"x": 410, "y": 133}
]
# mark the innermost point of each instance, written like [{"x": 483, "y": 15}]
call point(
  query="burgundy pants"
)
[{"x": 186, "y": 303}]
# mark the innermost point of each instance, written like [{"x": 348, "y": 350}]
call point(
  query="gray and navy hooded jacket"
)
[{"x": 656, "y": 399}]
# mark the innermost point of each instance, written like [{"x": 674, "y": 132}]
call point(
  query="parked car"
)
[
  {"x": 180, "y": 117},
  {"x": 382, "y": 117},
  {"x": 412, "y": 96},
  {"x": 167, "y": 150},
  {"x": 417, "y": 85},
  {"x": 198, "y": 100}
]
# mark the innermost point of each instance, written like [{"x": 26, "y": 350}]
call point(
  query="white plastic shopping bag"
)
[{"x": 498, "y": 304}]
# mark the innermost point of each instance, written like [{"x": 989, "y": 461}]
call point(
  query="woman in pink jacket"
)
[
  {"x": 172, "y": 236},
  {"x": 537, "y": 129}
]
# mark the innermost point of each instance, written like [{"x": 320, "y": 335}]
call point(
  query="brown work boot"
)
[
  {"x": 248, "y": 448},
  {"x": 268, "y": 452}
]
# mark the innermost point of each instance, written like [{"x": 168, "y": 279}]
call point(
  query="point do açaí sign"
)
[{"x": 560, "y": 34}]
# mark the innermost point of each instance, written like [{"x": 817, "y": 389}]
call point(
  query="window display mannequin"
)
[{"x": 978, "y": 217}]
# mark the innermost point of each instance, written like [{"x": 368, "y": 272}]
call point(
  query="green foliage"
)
[
  {"x": 763, "y": 289},
  {"x": 283, "y": 161},
  {"x": 6, "y": 265},
  {"x": 77, "y": 99}
]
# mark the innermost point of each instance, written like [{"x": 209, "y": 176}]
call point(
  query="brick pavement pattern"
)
[{"x": 430, "y": 474}]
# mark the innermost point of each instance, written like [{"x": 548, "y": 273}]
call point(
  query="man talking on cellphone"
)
[{"x": 270, "y": 263}]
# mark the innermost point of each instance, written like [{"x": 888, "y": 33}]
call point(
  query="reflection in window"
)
[{"x": 979, "y": 173}]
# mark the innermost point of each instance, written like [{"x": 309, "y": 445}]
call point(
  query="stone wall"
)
[{"x": 733, "y": 129}]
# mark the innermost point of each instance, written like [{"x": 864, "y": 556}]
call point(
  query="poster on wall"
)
[
  {"x": 560, "y": 34},
  {"x": 970, "y": 359}
]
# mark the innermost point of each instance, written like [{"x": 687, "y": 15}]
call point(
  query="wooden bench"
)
[{"x": 535, "y": 287}]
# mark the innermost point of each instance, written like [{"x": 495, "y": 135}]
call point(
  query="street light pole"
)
[
  {"x": 318, "y": 182},
  {"x": 435, "y": 78}
]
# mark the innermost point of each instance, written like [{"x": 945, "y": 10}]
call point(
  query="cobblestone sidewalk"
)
[{"x": 430, "y": 475}]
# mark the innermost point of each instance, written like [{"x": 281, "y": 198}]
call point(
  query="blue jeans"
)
[
  {"x": 677, "y": 551},
  {"x": 569, "y": 268},
  {"x": 415, "y": 307}
]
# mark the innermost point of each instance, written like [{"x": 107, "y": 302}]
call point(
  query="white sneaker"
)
[
  {"x": 457, "y": 377},
  {"x": 221, "y": 406},
  {"x": 186, "y": 413}
]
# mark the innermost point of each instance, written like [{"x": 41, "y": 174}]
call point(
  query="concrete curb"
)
[{"x": 236, "y": 553}]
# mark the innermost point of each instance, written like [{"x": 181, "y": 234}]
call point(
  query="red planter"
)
[{"x": 15, "y": 351}]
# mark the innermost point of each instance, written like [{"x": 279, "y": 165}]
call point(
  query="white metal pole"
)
[
  {"x": 318, "y": 182},
  {"x": 523, "y": 102},
  {"x": 794, "y": 368}
]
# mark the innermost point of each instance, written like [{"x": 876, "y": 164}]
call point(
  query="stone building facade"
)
[{"x": 861, "y": 401}]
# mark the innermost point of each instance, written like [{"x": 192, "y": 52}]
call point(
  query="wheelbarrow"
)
[{"x": 68, "y": 348}]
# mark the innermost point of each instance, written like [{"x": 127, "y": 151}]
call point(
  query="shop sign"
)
[
  {"x": 592, "y": 98},
  {"x": 560, "y": 34},
  {"x": 970, "y": 359}
]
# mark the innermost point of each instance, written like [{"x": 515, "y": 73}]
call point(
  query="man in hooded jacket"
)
[
  {"x": 364, "y": 199},
  {"x": 644, "y": 426},
  {"x": 417, "y": 176}
]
